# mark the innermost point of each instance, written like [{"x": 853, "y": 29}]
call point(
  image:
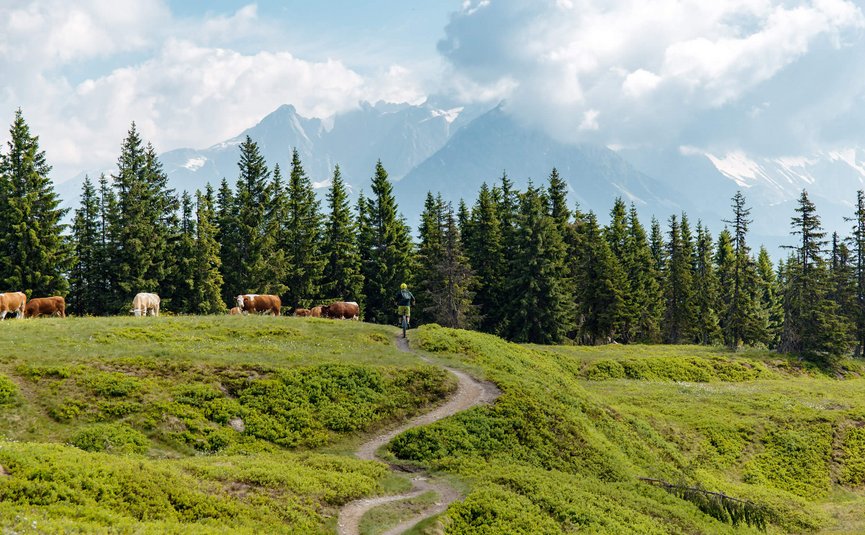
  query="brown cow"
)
[
  {"x": 45, "y": 306},
  {"x": 302, "y": 312},
  {"x": 259, "y": 303},
  {"x": 12, "y": 303},
  {"x": 236, "y": 311},
  {"x": 341, "y": 310},
  {"x": 315, "y": 312}
]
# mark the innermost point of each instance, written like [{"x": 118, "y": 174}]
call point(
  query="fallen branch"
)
[{"x": 717, "y": 504}]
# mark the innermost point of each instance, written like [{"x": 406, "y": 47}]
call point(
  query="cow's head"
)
[
  {"x": 136, "y": 311},
  {"x": 240, "y": 301}
]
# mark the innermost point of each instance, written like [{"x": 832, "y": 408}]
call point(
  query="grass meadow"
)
[{"x": 246, "y": 424}]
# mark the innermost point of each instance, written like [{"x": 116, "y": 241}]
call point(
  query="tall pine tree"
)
[
  {"x": 141, "y": 222},
  {"x": 342, "y": 279},
  {"x": 206, "y": 277},
  {"x": 536, "y": 275},
  {"x": 34, "y": 254},
  {"x": 304, "y": 261},
  {"x": 485, "y": 251},
  {"x": 85, "y": 279},
  {"x": 386, "y": 249},
  {"x": 251, "y": 200},
  {"x": 813, "y": 326}
]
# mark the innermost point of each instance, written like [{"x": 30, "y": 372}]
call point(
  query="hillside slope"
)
[
  {"x": 565, "y": 446},
  {"x": 202, "y": 424}
]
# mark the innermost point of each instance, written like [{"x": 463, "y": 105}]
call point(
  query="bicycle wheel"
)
[{"x": 404, "y": 325}]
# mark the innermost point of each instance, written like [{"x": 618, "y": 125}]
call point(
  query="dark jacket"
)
[{"x": 404, "y": 298}]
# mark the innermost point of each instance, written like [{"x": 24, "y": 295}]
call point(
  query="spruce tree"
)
[
  {"x": 618, "y": 240},
  {"x": 107, "y": 244},
  {"x": 842, "y": 281},
  {"x": 743, "y": 320},
  {"x": 429, "y": 253},
  {"x": 858, "y": 242},
  {"x": 644, "y": 282},
  {"x": 770, "y": 297},
  {"x": 251, "y": 199},
  {"x": 601, "y": 285},
  {"x": 342, "y": 279},
  {"x": 705, "y": 289},
  {"x": 34, "y": 253},
  {"x": 450, "y": 281},
  {"x": 678, "y": 291},
  {"x": 386, "y": 249},
  {"x": 275, "y": 242},
  {"x": 182, "y": 273},
  {"x": 557, "y": 191},
  {"x": 304, "y": 261},
  {"x": 142, "y": 223},
  {"x": 536, "y": 275},
  {"x": 485, "y": 251},
  {"x": 227, "y": 235},
  {"x": 813, "y": 326},
  {"x": 207, "y": 279},
  {"x": 85, "y": 279}
]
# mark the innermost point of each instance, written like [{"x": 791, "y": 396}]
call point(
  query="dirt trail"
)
[{"x": 470, "y": 393}]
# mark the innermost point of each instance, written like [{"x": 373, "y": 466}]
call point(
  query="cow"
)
[
  {"x": 341, "y": 310},
  {"x": 12, "y": 303},
  {"x": 302, "y": 312},
  {"x": 259, "y": 303},
  {"x": 45, "y": 306},
  {"x": 236, "y": 311},
  {"x": 315, "y": 312},
  {"x": 145, "y": 304}
]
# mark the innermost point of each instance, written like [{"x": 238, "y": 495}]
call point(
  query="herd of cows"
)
[
  {"x": 147, "y": 304},
  {"x": 271, "y": 304},
  {"x": 17, "y": 303}
]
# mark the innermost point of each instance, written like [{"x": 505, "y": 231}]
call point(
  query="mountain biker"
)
[{"x": 404, "y": 300}]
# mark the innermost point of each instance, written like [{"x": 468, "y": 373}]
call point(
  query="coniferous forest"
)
[{"x": 520, "y": 264}]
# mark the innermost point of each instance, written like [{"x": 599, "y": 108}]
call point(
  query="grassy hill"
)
[{"x": 208, "y": 424}]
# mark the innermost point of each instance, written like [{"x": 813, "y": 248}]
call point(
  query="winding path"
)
[{"x": 470, "y": 393}]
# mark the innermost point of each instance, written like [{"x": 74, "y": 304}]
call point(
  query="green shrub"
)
[
  {"x": 196, "y": 394},
  {"x": 853, "y": 448},
  {"x": 35, "y": 373},
  {"x": 8, "y": 390},
  {"x": 690, "y": 369},
  {"x": 111, "y": 438},
  {"x": 601, "y": 370},
  {"x": 110, "y": 384},
  {"x": 795, "y": 460},
  {"x": 66, "y": 409}
]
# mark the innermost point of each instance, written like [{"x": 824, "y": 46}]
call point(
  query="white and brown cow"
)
[
  {"x": 12, "y": 303},
  {"x": 251, "y": 303},
  {"x": 145, "y": 304}
]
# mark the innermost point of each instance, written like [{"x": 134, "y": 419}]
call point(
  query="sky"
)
[{"x": 769, "y": 77}]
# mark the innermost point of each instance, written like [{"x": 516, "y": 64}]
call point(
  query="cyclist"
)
[{"x": 404, "y": 299}]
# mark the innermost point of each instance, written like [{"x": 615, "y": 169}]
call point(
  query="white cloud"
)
[
  {"x": 191, "y": 91},
  {"x": 640, "y": 82},
  {"x": 650, "y": 69}
]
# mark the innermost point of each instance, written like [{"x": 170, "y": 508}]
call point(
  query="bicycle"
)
[{"x": 404, "y": 324}]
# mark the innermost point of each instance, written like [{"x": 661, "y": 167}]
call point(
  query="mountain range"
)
[{"x": 440, "y": 147}]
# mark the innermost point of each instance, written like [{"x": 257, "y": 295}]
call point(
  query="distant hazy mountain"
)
[
  {"x": 494, "y": 143},
  {"x": 401, "y": 136}
]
